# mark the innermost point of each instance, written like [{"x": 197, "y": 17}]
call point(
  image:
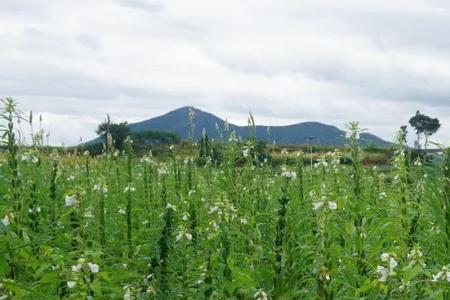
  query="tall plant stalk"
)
[
  {"x": 130, "y": 189},
  {"x": 9, "y": 114},
  {"x": 357, "y": 204}
]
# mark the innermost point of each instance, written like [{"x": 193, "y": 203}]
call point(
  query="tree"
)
[
  {"x": 432, "y": 128},
  {"x": 424, "y": 125},
  {"x": 113, "y": 133}
]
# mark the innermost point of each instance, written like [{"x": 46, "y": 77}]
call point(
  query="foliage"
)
[
  {"x": 118, "y": 131},
  {"x": 119, "y": 226},
  {"x": 424, "y": 125},
  {"x": 154, "y": 137}
]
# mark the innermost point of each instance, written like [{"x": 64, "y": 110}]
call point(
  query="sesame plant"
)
[{"x": 189, "y": 226}]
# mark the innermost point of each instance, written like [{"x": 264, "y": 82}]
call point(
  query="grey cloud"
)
[
  {"x": 89, "y": 41},
  {"x": 145, "y": 5},
  {"x": 20, "y": 7},
  {"x": 64, "y": 84},
  {"x": 286, "y": 61}
]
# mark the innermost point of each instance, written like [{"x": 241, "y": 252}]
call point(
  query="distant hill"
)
[{"x": 177, "y": 122}]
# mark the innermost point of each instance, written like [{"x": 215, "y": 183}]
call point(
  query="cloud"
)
[
  {"x": 145, "y": 5},
  {"x": 286, "y": 61}
]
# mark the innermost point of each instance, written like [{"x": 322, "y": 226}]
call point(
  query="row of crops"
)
[{"x": 118, "y": 226}]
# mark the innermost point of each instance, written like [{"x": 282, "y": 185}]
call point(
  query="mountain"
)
[{"x": 177, "y": 121}]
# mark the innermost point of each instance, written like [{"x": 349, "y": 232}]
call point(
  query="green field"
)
[{"x": 123, "y": 226}]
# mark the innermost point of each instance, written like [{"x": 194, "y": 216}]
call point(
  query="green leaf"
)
[
  {"x": 411, "y": 272},
  {"x": 4, "y": 268},
  {"x": 21, "y": 289},
  {"x": 367, "y": 286}
]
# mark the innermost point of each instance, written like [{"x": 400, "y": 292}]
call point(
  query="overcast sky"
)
[{"x": 287, "y": 61}]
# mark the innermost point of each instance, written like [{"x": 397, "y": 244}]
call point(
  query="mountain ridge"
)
[{"x": 177, "y": 121}]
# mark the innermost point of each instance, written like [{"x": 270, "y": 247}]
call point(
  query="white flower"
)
[
  {"x": 444, "y": 274},
  {"x": 437, "y": 276},
  {"x": 324, "y": 274},
  {"x": 71, "y": 178},
  {"x": 127, "y": 295},
  {"x": 332, "y": 205},
  {"x": 185, "y": 216},
  {"x": 100, "y": 188},
  {"x": 184, "y": 235},
  {"x": 171, "y": 206},
  {"x": 415, "y": 256},
  {"x": 384, "y": 273},
  {"x": 122, "y": 210},
  {"x": 129, "y": 189},
  {"x": 29, "y": 158},
  {"x": 288, "y": 174},
  {"x": 145, "y": 222},
  {"x": 317, "y": 205},
  {"x": 93, "y": 267},
  {"x": 70, "y": 200},
  {"x": 392, "y": 264},
  {"x": 214, "y": 209},
  {"x": 244, "y": 221},
  {"x": 245, "y": 151},
  {"x": 385, "y": 257},
  {"x": 77, "y": 268},
  {"x": 5, "y": 221},
  {"x": 260, "y": 295},
  {"x": 146, "y": 159},
  {"x": 71, "y": 284},
  {"x": 162, "y": 171},
  {"x": 88, "y": 214}
]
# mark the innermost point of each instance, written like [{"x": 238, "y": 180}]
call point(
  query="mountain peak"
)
[
  {"x": 186, "y": 109},
  {"x": 177, "y": 121}
]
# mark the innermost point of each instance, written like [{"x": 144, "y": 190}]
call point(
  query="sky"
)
[{"x": 376, "y": 62}]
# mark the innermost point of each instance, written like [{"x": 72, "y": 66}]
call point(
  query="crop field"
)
[{"x": 119, "y": 226}]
